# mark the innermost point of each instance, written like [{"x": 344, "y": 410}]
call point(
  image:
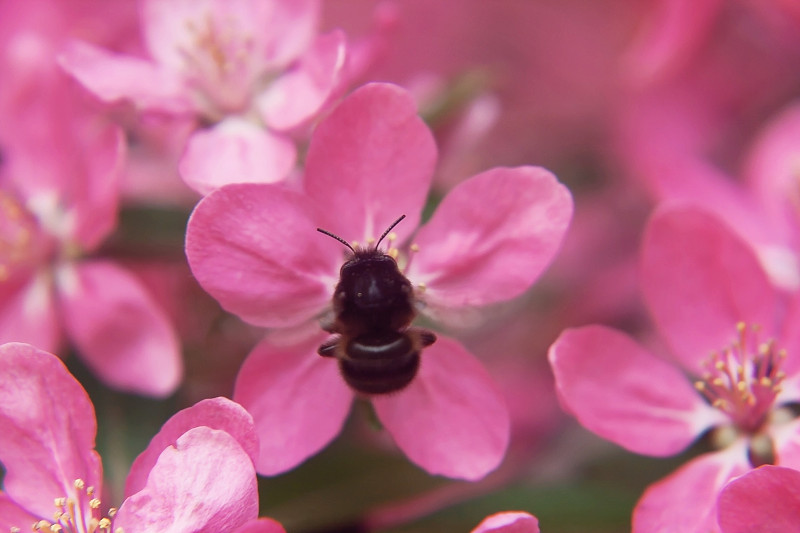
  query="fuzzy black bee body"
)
[{"x": 373, "y": 304}]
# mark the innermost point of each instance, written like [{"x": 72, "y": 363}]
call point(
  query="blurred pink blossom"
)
[
  {"x": 729, "y": 329},
  {"x": 253, "y": 247},
  {"x": 196, "y": 474},
  {"x": 675, "y": 33},
  {"x": 58, "y": 202},
  {"x": 675, "y": 162},
  {"x": 766, "y": 500},
  {"x": 252, "y": 70},
  {"x": 508, "y": 522}
]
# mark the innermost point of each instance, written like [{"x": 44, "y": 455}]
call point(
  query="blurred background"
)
[{"x": 629, "y": 102}]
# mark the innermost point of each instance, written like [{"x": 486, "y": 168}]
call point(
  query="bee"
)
[{"x": 373, "y": 304}]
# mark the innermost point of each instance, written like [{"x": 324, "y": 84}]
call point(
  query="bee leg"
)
[
  {"x": 427, "y": 337},
  {"x": 328, "y": 348},
  {"x": 422, "y": 337}
]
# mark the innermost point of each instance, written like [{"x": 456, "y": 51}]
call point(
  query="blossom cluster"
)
[{"x": 399, "y": 265}]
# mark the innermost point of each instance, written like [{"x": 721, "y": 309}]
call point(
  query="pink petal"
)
[
  {"x": 790, "y": 340},
  {"x": 772, "y": 163},
  {"x": 298, "y": 95},
  {"x": 205, "y": 483},
  {"x": 13, "y": 516},
  {"x": 291, "y": 27},
  {"x": 255, "y": 249},
  {"x": 215, "y": 413},
  {"x": 699, "y": 280},
  {"x": 235, "y": 151},
  {"x": 298, "y": 400},
  {"x": 451, "y": 420},
  {"x": 112, "y": 77},
  {"x": 262, "y": 525},
  {"x": 49, "y": 427},
  {"x": 686, "y": 500},
  {"x": 672, "y": 35},
  {"x": 277, "y": 31},
  {"x": 508, "y": 522},
  {"x": 28, "y": 313},
  {"x": 92, "y": 190},
  {"x": 491, "y": 237},
  {"x": 119, "y": 331},
  {"x": 371, "y": 161},
  {"x": 766, "y": 499},
  {"x": 620, "y": 391}
]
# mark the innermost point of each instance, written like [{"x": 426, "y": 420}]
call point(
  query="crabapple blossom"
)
[
  {"x": 727, "y": 327},
  {"x": 254, "y": 248},
  {"x": 508, "y": 522},
  {"x": 253, "y": 69},
  {"x": 766, "y": 500},
  {"x": 197, "y": 474},
  {"x": 58, "y": 202}
]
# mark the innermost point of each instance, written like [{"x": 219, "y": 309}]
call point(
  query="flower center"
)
[
  {"x": 80, "y": 514},
  {"x": 743, "y": 379},
  {"x": 218, "y": 61},
  {"x": 19, "y": 237}
]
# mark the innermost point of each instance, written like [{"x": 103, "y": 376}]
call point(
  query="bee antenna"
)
[
  {"x": 329, "y": 234},
  {"x": 390, "y": 228}
]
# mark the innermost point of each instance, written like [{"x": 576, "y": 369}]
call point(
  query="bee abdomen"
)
[{"x": 380, "y": 364}]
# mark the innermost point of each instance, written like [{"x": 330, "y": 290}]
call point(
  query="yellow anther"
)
[
  {"x": 355, "y": 244},
  {"x": 741, "y": 386},
  {"x": 765, "y": 382},
  {"x": 79, "y": 484},
  {"x": 719, "y": 365},
  {"x": 55, "y": 528},
  {"x": 60, "y": 502},
  {"x": 94, "y": 503},
  {"x": 414, "y": 247},
  {"x": 393, "y": 252},
  {"x": 104, "y": 523},
  {"x": 392, "y": 236},
  {"x": 700, "y": 385},
  {"x": 112, "y": 512}
]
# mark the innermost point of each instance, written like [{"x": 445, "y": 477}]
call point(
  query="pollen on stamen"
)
[{"x": 744, "y": 378}]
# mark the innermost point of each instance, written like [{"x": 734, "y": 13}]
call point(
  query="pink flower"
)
[
  {"x": 508, "y": 522},
  {"x": 675, "y": 32},
  {"x": 197, "y": 473},
  {"x": 255, "y": 69},
  {"x": 674, "y": 164},
  {"x": 58, "y": 202},
  {"x": 255, "y": 249},
  {"x": 766, "y": 500},
  {"x": 727, "y": 328}
]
